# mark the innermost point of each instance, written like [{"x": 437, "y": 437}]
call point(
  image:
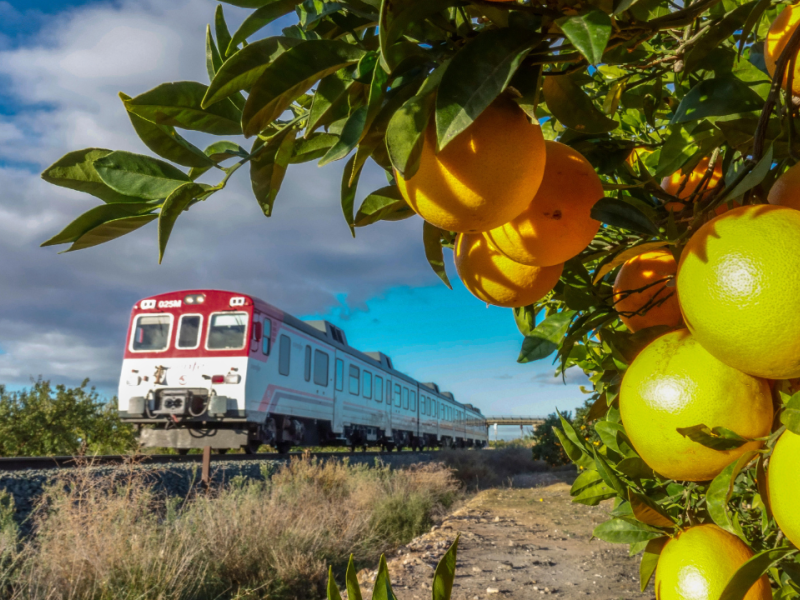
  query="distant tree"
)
[
  {"x": 48, "y": 420},
  {"x": 547, "y": 446}
]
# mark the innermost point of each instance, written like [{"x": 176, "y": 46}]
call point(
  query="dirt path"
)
[{"x": 519, "y": 543}]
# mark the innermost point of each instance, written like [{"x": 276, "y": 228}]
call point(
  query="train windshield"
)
[
  {"x": 226, "y": 331},
  {"x": 151, "y": 333}
]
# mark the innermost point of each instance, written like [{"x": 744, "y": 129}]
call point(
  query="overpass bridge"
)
[{"x": 513, "y": 420}]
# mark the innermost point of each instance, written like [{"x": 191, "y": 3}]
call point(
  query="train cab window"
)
[
  {"x": 189, "y": 332},
  {"x": 307, "y": 366},
  {"x": 266, "y": 337},
  {"x": 226, "y": 331},
  {"x": 412, "y": 401},
  {"x": 355, "y": 377},
  {"x": 397, "y": 394},
  {"x": 339, "y": 374},
  {"x": 405, "y": 398},
  {"x": 284, "y": 355},
  {"x": 378, "y": 389},
  {"x": 151, "y": 333},
  {"x": 320, "y": 368},
  {"x": 366, "y": 385}
]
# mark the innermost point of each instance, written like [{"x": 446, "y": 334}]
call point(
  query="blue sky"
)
[{"x": 64, "y": 316}]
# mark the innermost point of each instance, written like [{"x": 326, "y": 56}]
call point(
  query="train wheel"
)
[
  {"x": 183, "y": 451},
  {"x": 251, "y": 447},
  {"x": 283, "y": 447},
  {"x": 221, "y": 450}
]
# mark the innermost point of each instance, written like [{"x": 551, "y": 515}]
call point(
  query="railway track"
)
[{"x": 23, "y": 463}]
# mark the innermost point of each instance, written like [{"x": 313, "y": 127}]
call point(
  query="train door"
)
[
  {"x": 337, "y": 424},
  {"x": 388, "y": 398}
]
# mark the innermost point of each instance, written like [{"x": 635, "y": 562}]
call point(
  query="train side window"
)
[
  {"x": 366, "y": 386},
  {"x": 266, "y": 338},
  {"x": 321, "y": 368},
  {"x": 412, "y": 403},
  {"x": 152, "y": 333},
  {"x": 189, "y": 332},
  {"x": 421, "y": 404},
  {"x": 285, "y": 355},
  {"x": 355, "y": 377},
  {"x": 339, "y": 374},
  {"x": 378, "y": 388},
  {"x": 307, "y": 369},
  {"x": 397, "y": 394},
  {"x": 405, "y": 398},
  {"x": 388, "y": 394}
]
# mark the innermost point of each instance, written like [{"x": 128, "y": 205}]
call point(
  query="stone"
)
[{"x": 492, "y": 590}]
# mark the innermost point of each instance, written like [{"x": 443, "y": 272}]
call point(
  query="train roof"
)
[{"x": 327, "y": 332}]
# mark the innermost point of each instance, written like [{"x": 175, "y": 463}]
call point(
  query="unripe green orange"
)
[{"x": 784, "y": 485}]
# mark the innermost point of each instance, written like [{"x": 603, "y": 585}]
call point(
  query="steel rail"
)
[{"x": 24, "y": 463}]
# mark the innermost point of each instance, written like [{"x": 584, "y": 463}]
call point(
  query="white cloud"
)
[
  {"x": 64, "y": 83},
  {"x": 572, "y": 376}
]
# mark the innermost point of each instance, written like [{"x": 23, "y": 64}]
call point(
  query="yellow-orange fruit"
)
[
  {"x": 672, "y": 184},
  {"x": 777, "y": 37},
  {"x": 784, "y": 485},
  {"x": 675, "y": 383},
  {"x": 654, "y": 305},
  {"x": 557, "y": 224},
  {"x": 484, "y": 177},
  {"x": 698, "y": 563},
  {"x": 495, "y": 278},
  {"x": 786, "y": 189},
  {"x": 739, "y": 289}
]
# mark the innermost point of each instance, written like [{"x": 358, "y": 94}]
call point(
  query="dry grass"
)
[
  {"x": 115, "y": 538},
  {"x": 492, "y": 468}
]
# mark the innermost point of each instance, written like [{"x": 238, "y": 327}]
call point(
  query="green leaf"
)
[
  {"x": 584, "y": 480},
  {"x": 544, "y": 340},
  {"x": 717, "y": 97},
  {"x": 167, "y": 143},
  {"x": 589, "y": 33},
  {"x": 179, "y": 105},
  {"x": 244, "y": 68},
  {"x": 595, "y": 494},
  {"x": 607, "y": 430},
  {"x": 791, "y": 414},
  {"x": 383, "y": 585},
  {"x": 476, "y": 75},
  {"x": 351, "y": 580},
  {"x": 717, "y": 438},
  {"x": 97, "y": 216},
  {"x": 572, "y": 450},
  {"x": 619, "y": 213},
  {"x": 397, "y": 17},
  {"x": 445, "y": 574},
  {"x": 223, "y": 150},
  {"x": 173, "y": 206},
  {"x": 635, "y": 468},
  {"x": 648, "y": 512},
  {"x": 258, "y": 20},
  {"x": 312, "y": 11},
  {"x": 316, "y": 146},
  {"x": 525, "y": 318},
  {"x": 608, "y": 475},
  {"x": 292, "y": 74},
  {"x": 647, "y": 566},
  {"x": 720, "y": 490},
  {"x": 330, "y": 96},
  {"x": 223, "y": 35},
  {"x": 570, "y": 105},
  {"x": 75, "y": 170},
  {"x": 385, "y": 204},
  {"x": 139, "y": 175},
  {"x": 248, "y": 3},
  {"x": 716, "y": 34},
  {"x": 268, "y": 167},
  {"x": 625, "y": 530},
  {"x": 333, "y": 589},
  {"x": 753, "y": 178},
  {"x": 348, "y": 193},
  {"x": 348, "y": 140},
  {"x": 213, "y": 59},
  {"x": 751, "y": 571},
  {"x": 110, "y": 230},
  {"x": 432, "y": 240}
]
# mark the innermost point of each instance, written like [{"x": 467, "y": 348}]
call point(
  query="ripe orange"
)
[
  {"x": 675, "y": 383},
  {"x": 784, "y": 485},
  {"x": 672, "y": 184},
  {"x": 778, "y": 35},
  {"x": 655, "y": 305},
  {"x": 556, "y": 225},
  {"x": 739, "y": 289},
  {"x": 495, "y": 278},
  {"x": 698, "y": 563},
  {"x": 484, "y": 177},
  {"x": 786, "y": 190}
]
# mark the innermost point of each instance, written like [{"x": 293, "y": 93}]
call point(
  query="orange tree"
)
[{"x": 532, "y": 137}]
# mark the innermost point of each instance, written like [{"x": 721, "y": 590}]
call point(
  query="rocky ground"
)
[{"x": 519, "y": 543}]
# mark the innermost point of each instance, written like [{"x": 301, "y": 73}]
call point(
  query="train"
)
[{"x": 211, "y": 368}]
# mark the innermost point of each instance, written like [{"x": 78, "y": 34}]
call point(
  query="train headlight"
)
[
  {"x": 194, "y": 299},
  {"x": 133, "y": 380},
  {"x": 232, "y": 378}
]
